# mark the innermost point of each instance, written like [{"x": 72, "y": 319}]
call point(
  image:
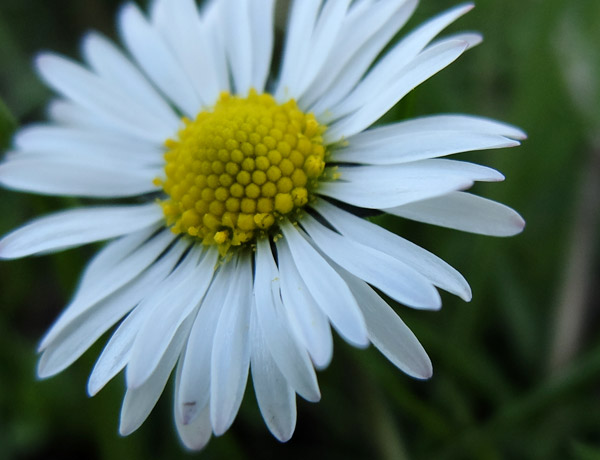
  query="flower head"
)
[{"x": 240, "y": 249}]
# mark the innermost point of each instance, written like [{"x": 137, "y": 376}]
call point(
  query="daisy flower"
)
[{"x": 236, "y": 244}]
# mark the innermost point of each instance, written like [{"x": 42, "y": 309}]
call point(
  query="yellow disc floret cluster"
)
[{"x": 236, "y": 170}]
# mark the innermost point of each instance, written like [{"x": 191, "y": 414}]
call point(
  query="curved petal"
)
[
  {"x": 417, "y": 146},
  {"x": 424, "y": 169},
  {"x": 291, "y": 358},
  {"x": 77, "y": 176},
  {"x": 231, "y": 351},
  {"x": 194, "y": 387},
  {"x": 262, "y": 29},
  {"x": 355, "y": 52},
  {"x": 464, "y": 211},
  {"x": 306, "y": 318},
  {"x": 117, "y": 352},
  {"x": 182, "y": 292},
  {"x": 393, "y": 277},
  {"x": 180, "y": 24},
  {"x": 424, "y": 66},
  {"x": 80, "y": 333},
  {"x": 113, "y": 267},
  {"x": 59, "y": 141},
  {"x": 70, "y": 114},
  {"x": 152, "y": 54},
  {"x": 91, "y": 92},
  {"x": 365, "y": 186},
  {"x": 215, "y": 43},
  {"x": 194, "y": 435},
  {"x": 374, "y": 194},
  {"x": 388, "y": 332},
  {"x": 114, "y": 67},
  {"x": 326, "y": 287},
  {"x": 139, "y": 402},
  {"x": 302, "y": 18},
  {"x": 324, "y": 35},
  {"x": 276, "y": 398},
  {"x": 361, "y": 230},
  {"x": 235, "y": 18},
  {"x": 76, "y": 227},
  {"x": 465, "y": 123},
  {"x": 391, "y": 67}
]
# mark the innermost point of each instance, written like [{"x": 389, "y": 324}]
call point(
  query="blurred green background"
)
[{"x": 517, "y": 370}]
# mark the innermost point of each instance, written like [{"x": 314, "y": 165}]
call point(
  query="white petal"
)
[
  {"x": 112, "y": 65},
  {"x": 427, "y": 64},
  {"x": 291, "y": 358},
  {"x": 158, "y": 329},
  {"x": 416, "y": 146},
  {"x": 194, "y": 435},
  {"x": 355, "y": 52},
  {"x": 424, "y": 169},
  {"x": 78, "y": 335},
  {"x": 112, "y": 268},
  {"x": 391, "y": 67},
  {"x": 322, "y": 41},
  {"x": 262, "y": 15},
  {"x": 139, "y": 402},
  {"x": 175, "y": 300},
  {"x": 70, "y": 114},
  {"x": 235, "y": 19},
  {"x": 86, "y": 177},
  {"x": 215, "y": 43},
  {"x": 389, "y": 333},
  {"x": 117, "y": 351},
  {"x": 471, "y": 38},
  {"x": 194, "y": 389},
  {"x": 365, "y": 186},
  {"x": 302, "y": 19},
  {"x": 371, "y": 193},
  {"x": 464, "y": 211},
  {"x": 276, "y": 399},
  {"x": 152, "y": 54},
  {"x": 180, "y": 25},
  {"x": 231, "y": 351},
  {"x": 82, "y": 143},
  {"x": 395, "y": 278},
  {"x": 99, "y": 97},
  {"x": 463, "y": 123},
  {"x": 326, "y": 287},
  {"x": 306, "y": 318},
  {"x": 432, "y": 267},
  {"x": 76, "y": 227}
]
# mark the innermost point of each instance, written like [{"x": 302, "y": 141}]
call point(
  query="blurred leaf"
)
[
  {"x": 489, "y": 397},
  {"x": 580, "y": 64},
  {"x": 585, "y": 452},
  {"x": 7, "y": 125}
]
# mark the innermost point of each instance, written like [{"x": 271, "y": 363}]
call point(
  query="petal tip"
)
[
  {"x": 475, "y": 39},
  {"x": 283, "y": 436},
  {"x": 125, "y": 429},
  {"x": 520, "y": 224},
  {"x": 427, "y": 373},
  {"x": 134, "y": 378},
  {"x": 42, "y": 58},
  {"x": 42, "y": 371},
  {"x": 93, "y": 387},
  {"x": 189, "y": 410},
  {"x": 361, "y": 342},
  {"x": 467, "y": 296},
  {"x": 8, "y": 249}
]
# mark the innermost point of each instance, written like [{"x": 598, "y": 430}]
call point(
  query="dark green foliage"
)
[{"x": 492, "y": 396}]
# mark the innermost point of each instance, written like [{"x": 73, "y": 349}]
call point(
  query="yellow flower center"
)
[{"x": 236, "y": 170}]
